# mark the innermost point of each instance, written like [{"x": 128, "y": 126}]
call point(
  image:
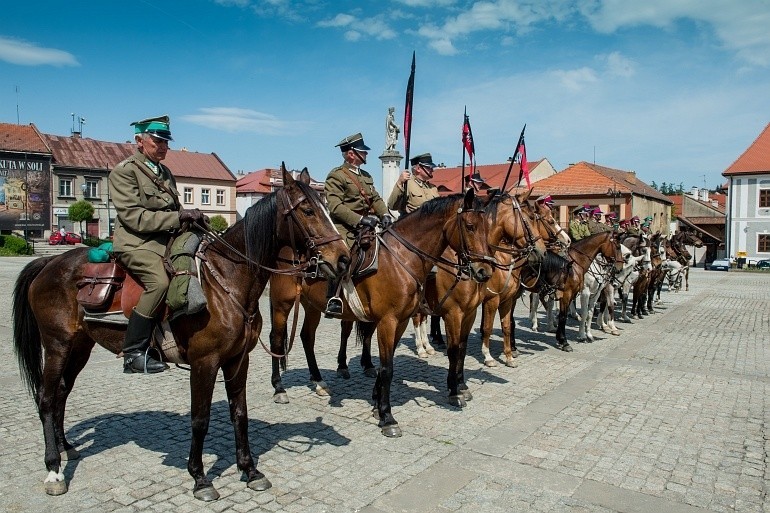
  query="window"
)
[
  {"x": 220, "y": 197},
  {"x": 188, "y": 195},
  {"x": 206, "y": 196},
  {"x": 764, "y": 198},
  {"x": 65, "y": 186},
  {"x": 92, "y": 189},
  {"x": 763, "y": 243}
]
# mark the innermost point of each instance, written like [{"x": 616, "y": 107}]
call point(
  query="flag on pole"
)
[
  {"x": 468, "y": 144},
  {"x": 523, "y": 166},
  {"x": 408, "y": 114}
]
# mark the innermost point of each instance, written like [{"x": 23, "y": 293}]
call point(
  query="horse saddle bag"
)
[
  {"x": 364, "y": 253},
  {"x": 97, "y": 287}
]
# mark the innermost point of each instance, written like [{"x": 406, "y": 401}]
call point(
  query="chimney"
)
[
  {"x": 694, "y": 192},
  {"x": 704, "y": 195}
]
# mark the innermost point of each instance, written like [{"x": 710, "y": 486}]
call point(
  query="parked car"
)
[
  {"x": 720, "y": 264},
  {"x": 69, "y": 238},
  {"x": 763, "y": 264}
]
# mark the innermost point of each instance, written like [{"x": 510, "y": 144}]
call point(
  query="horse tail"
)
[
  {"x": 26, "y": 334},
  {"x": 364, "y": 332}
]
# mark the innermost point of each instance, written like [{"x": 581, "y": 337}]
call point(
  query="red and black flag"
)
[
  {"x": 408, "y": 113},
  {"x": 523, "y": 166},
  {"x": 468, "y": 144}
]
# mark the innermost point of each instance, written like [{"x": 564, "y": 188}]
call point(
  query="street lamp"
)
[
  {"x": 615, "y": 193},
  {"x": 84, "y": 188}
]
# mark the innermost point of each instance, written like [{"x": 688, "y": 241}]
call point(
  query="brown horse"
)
[
  {"x": 509, "y": 280},
  {"x": 53, "y": 341},
  {"x": 517, "y": 242},
  {"x": 390, "y": 296}
]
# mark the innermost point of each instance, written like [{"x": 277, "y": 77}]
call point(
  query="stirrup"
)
[{"x": 333, "y": 307}]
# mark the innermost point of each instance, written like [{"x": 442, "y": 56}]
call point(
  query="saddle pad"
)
[{"x": 354, "y": 301}]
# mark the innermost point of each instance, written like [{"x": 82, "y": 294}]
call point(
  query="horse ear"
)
[
  {"x": 287, "y": 178},
  {"x": 469, "y": 195},
  {"x": 525, "y": 195},
  {"x": 304, "y": 176}
]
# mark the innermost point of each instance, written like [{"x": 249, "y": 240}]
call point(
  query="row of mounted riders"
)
[{"x": 484, "y": 251}]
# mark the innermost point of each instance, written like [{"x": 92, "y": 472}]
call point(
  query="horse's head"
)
[
  {"x": 467, "y": 233},
  {"x": 692, "y": 239},
  {"x": 555, "y": 236},
  {"x": 514, "y": 221},
  {"x": 304, "y": 224},
  {"x": 610, "y": 248}
]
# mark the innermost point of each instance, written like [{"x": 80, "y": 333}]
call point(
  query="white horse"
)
[
  {"x": 606, "y": 318},
  {"x": 593, "y": 282}
]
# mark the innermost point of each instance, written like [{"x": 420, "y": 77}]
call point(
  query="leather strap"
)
[{"x": 360, "y": 189}]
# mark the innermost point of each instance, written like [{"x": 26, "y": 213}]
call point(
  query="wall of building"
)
[{"x": 746, "y": 221}]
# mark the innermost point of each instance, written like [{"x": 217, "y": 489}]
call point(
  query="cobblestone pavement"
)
[{"x": 670, "y": 416}]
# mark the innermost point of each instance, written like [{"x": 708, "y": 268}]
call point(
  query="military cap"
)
[
  {"x": 645, "y": 225},
  {"x": 424, "y": 160},
  {"x": 545, "y": 199},
  {"x": 611, "y": 215},
  {"x": 648, "y": 218},
  {"x": 635, "y": 218},
  {"x": 596, "y": 211},
  {"x": 475, "y": 177},
  {"x": 580, "y": 210},
  {"x": 157, "y": 127},
  {"x": 353, "y": 142},
  {"x": 624, "y": 223}
]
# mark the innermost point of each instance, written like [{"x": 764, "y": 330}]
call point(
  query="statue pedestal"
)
[{"x": 391, "y": 168}]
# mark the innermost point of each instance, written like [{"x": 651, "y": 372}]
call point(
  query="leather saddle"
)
[{"x": 108, "y": 288}]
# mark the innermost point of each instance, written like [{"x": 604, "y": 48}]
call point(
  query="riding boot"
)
[
  {"x": 333, "y": 301},
  {"x": 136, "y": 346},
  {"x": 435, "y": 331}
]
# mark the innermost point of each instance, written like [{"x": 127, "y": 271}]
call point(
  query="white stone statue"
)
[{"x": 391, "y": 130}]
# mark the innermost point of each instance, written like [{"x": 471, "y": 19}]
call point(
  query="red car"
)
[{"x": 69, "y": 238}]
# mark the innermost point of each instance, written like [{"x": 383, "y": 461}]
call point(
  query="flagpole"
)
[
  {"x": 513, "y": 159},
  {"x": 462, "y": 171},
  {"x": 408, "y": 113}
]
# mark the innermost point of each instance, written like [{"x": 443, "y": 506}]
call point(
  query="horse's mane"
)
[
  {"x": 259, "y": 226},
  {"x": 440, "y": 205},
  {"x": 553, "y": 263}
]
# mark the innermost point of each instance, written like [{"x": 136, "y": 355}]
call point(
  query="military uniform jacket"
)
[
  {"x": 578, "y": 230},
  {"x": 146, "y": 214},
  {"x": 417, "y": 193},
  {"x": 594, "y": 227},
  {"x": 346, "y": 203},
  {"x": 633, "y": 230}
]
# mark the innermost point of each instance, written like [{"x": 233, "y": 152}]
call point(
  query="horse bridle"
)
[{"x": 531, "y": 240}]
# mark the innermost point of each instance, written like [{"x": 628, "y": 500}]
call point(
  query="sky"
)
[{"x": 674, "y": 90}]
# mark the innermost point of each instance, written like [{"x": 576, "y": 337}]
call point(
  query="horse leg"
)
[
  {"x": 687, "y": 278},
  {"x": 550, "y": 318},
  {"x": 51, "y": 416},
  {"x": 366, "y": 351},
  {"x": 235, "y": 373},
  {"x": 488, "y": 312},
  {"x": 203, "y": 374},
  {"x": 278, "y": 346},
  {"x": 561, "y": 327},
  {"x": 307, "y": 334},
  {"x": 452, "y": 324},
  {"x": 342, "y": 356},
  {"x": 75, "y": 363},
  {"x": 388, "y": 333},
  {"x": 584, "y": 314},
  {"x": 508, "y": 326},
  {"x": 422, "y": 345},
  {"x": 465, "y": 329},
  {"x": 534, "y": 300},
  {"x": 423, "y": 327},
  {"x": 435, "y": 331}
]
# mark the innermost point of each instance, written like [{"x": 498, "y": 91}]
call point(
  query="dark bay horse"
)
[
  {"x": 516, "y": 241},
  {"x": 53, "y": 342},
  {"x": 390, "y": 296},
  {"x": 512, "y": 276}
]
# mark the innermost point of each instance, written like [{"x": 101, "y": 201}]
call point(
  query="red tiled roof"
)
[
  {"x": 86, "y": 153},
  {"x": 585, "y": 179},
  {"x": 755, "y": 160},
  {"x": 259, "y": 182},
  {"x": 447, "y": 179},
  {"x": 22, "y": 138}
]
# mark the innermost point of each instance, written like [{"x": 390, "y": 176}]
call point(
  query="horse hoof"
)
[
  {"x": 422, "y": 354},
  {"x": 615, "y": 332},
  {"x": 515, "y": 353},
  {"x": 371, "y": 372},
  {"x": 510, "y": 362},
  {"x": 430, "y": 350},
  {"x": 206, "y": 493},
  {"x": 467, "y": 395},
  {"x": 281, "y": 398},
  {"x": 566, "y": 348},
  {"x": 56, "y": 487},
  {"x": 259, "y": 485},
  {"x": 343, "y": 373},
  {"x": 391, "y": 431},
  {"x": 69, "y": 454},
  {"x": 322, "y": 389},
  {"x": 458, "y": 401},
  {"x": 490, "y": 363}
]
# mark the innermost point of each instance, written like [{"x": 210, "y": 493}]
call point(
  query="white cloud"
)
[
  {"x": 426, "y": 3},
  {"x": 237, "y": 120},
  {"x": 618, "y": 65},
  {"x": 576, "y": 79},
  {"x": 374, "y": 27},
  {"x": 20, "y": 52},
  {"x": 740, "y": 26}
]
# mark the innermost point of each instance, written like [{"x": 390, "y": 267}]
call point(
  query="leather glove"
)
[
  {"x": 370, "y": 221},
  {"x": 193, "y": 215},
  {"x": 386, "y": 220}
]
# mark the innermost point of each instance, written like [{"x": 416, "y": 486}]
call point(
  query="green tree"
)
[
  {"x": 218, "y": 223},
  {"x": 654, "y": 185},
  {"x": 81, "y": 211}
]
